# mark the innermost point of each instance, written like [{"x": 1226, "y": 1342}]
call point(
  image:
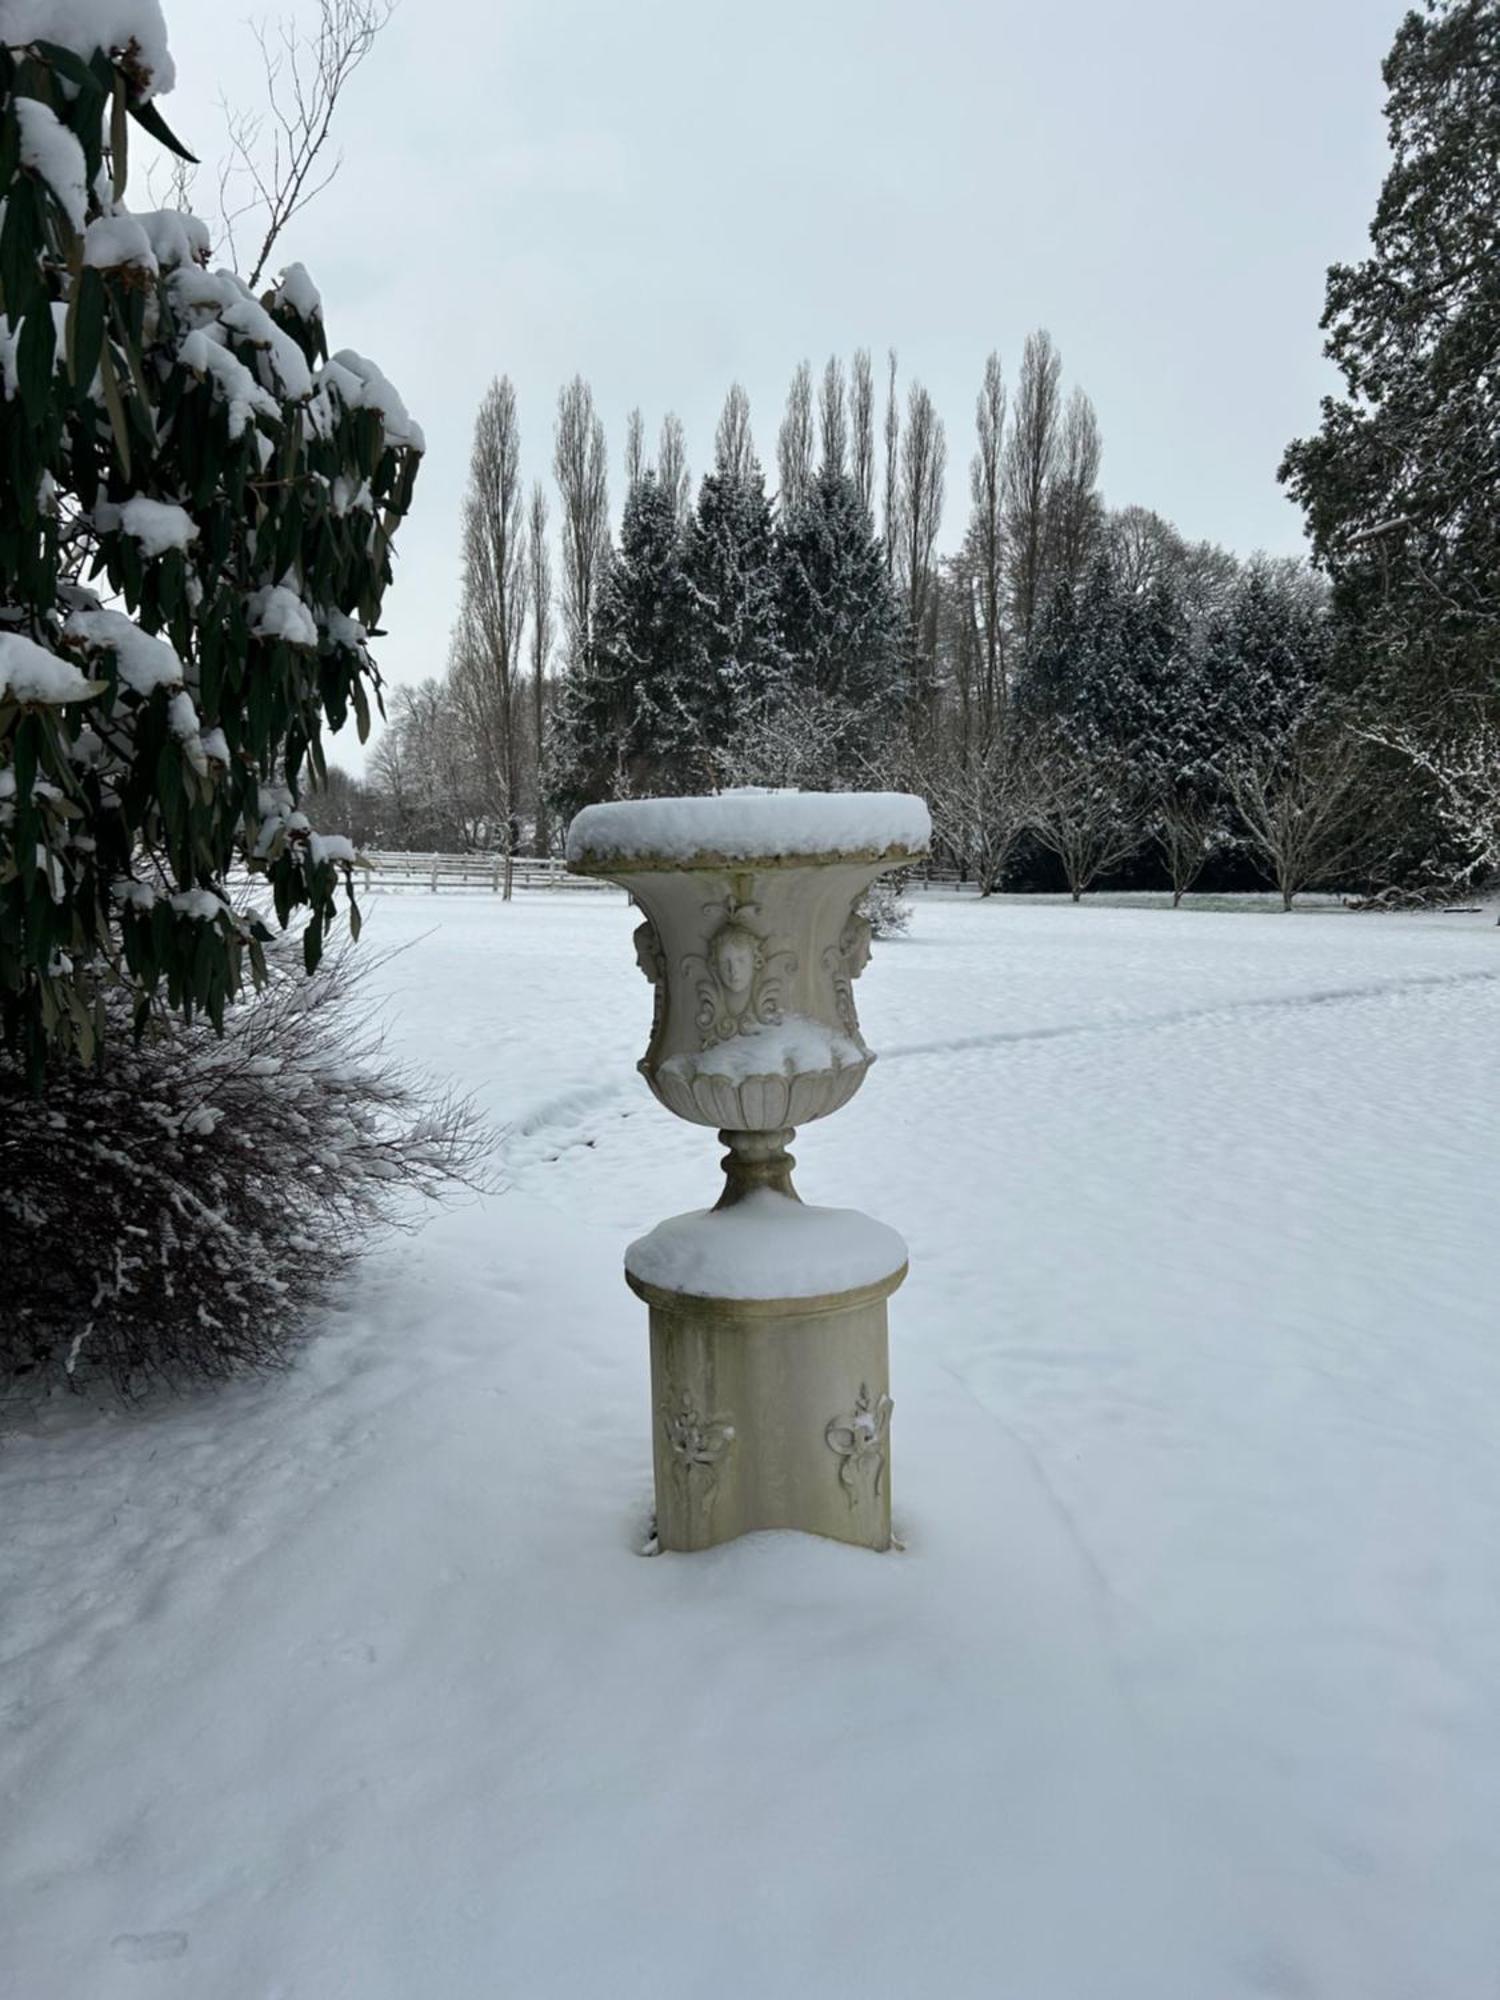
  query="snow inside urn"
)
[{"x": 752, "y": 940}]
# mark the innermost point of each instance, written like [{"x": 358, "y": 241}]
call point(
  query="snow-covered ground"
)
[{"x": 1186, "y": 1686}]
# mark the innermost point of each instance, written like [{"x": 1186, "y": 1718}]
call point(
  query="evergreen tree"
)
[
  {"x": 840, "y": 621},
  {"x": 192, "y": 450},
  {"x": 1109, "y": 669},
  {"x": 1400, "y": 483},
  {"x": 634, "y": 718},
  {"x": 729, "y": 556},
  {"x": 1261, "y": 667}
]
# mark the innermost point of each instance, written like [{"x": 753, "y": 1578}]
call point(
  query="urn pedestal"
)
[{"x": 770, "y": 1391}]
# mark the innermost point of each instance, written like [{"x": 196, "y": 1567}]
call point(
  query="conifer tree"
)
[
  {"x": 1400, "y": 483},
  {"x": 633, "y": 716},
  {"x": 730, "y": 559},
  {"x": 840, "y": 620}
]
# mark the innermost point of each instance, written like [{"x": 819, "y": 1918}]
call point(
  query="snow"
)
[
  {"x": 176, "y": 238},
  {"x": 277, "y": 612},
  {"x": 143, "y": 661},
  {"x": 115, "y": 240},
  {"x": 203, "y": 355},
  {"x": 86, "y": 25},
  {"x": 202, "y": 905},
  {"x": 795, "y": 1045},
  {"x": 1185, "y": 1687},
  {"x": 766, "y": 1247},
  {"x": 211, "y": 300},
  {"x": 333, "y": 847},
  {"x": 752, "y": 824},
  {"x": 158, "y": 525},
  {"x": 296, "y": 291},
  {"x": 50, "y": 149},
  {"x": 359, "y": 385},
  {"x": 28, "y": 672}
]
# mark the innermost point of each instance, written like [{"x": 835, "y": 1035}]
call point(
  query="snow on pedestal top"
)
[
  {"x": 766, "y": 1246},
  {"x": 750, "y": 825}
]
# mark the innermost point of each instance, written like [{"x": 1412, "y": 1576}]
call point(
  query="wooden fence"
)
[{"x": 432, "y": 872}]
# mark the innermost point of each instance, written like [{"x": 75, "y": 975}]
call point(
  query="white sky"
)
[{"x": 671, "y": 194}]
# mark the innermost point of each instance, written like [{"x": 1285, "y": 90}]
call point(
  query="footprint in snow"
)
[{"x": 144, "y": 1947}]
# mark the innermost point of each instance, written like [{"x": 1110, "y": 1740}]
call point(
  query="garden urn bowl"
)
[{"x": 769, "y": 1372}]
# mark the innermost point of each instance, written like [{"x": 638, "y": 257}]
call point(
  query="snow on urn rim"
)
[{"x": 768, "y": 827}]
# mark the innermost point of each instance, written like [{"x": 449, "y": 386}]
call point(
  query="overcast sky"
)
[{"x": 670, "y": 195}]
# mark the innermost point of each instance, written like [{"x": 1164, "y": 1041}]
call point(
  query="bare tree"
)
[
  {"x": 1073, "y": 508},
  {"x": 924, "y": 459},
  {"x": 635, "y": 450},
  {"x": 486, "y": 670},
  {"x": 1184, "y": 832},
  {"x": 1144, "y": 550},
  {"x": 986, "y": 546},
  {"x": 539, "y": 590},
  {"x": 1030, "y": 466},
  {"x": 579, "y": 464},
  {"x": 277, "y": 159},
  {"x": 425, "y": 773},
  {"x": 799, "y": 737},
  {"x": 734, "y": 447},
  {"x": 671, "y": 464},
  {"x": 1307, "y": 806},
  {"x": 862, "y": 429},
  {"x": 892, "y": 524},
  {"x": 1085, "y": 809},
  {"x": 983, "y": 800},
  {"x": 833, "y": 422},
  {"x": 794, "y": 443}
]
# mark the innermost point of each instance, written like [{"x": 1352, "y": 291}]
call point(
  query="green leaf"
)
[
  {"x": 34, "y": 356},
  {"x": 67, "y": 64},
  {"x": 118, "y": 139},
  {"x": 116, "y": 408},
  {"x": 150, "y": 120}
]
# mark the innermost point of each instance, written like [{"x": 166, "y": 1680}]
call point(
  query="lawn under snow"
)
[{"x": 1185, "y": 1687}]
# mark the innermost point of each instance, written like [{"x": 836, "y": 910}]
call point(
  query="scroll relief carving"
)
[
  {"x": 698, "y": 1445},
  {"x": 740, "y": 976},
  {"x": 860, "y": 1441},
  {"x": 844, "y": 962}
]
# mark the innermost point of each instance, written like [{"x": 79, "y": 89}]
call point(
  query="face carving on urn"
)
[
  {"x": 652, "y": 960},
  {"x": 735, "y": 956},
  {"x": 739, "y": 975}
]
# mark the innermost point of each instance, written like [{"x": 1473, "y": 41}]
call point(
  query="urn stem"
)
[{"x": 756, "y": 1160}]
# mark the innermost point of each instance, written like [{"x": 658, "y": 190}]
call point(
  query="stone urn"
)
[{"x": 769, "y": 1366}]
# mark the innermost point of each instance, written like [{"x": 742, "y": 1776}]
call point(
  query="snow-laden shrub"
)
[
  {"x": 197, "y": 505},
  {"x": 885, "y": 908},
  {"x": 175, "y": 1210}
]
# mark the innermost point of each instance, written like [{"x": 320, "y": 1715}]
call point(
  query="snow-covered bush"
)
[
  {"x": 885, "y": 908},
  {"x": 175, "y": 1210},
  {"x": 196, "y": 512}
]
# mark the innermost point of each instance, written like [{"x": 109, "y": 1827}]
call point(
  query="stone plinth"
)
[
  {"x": 739, "y": 1388},
  {"x": 769, "y": 1412}
]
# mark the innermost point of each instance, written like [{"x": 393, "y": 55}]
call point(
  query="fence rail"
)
[{"x": 432, "y": 872}]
